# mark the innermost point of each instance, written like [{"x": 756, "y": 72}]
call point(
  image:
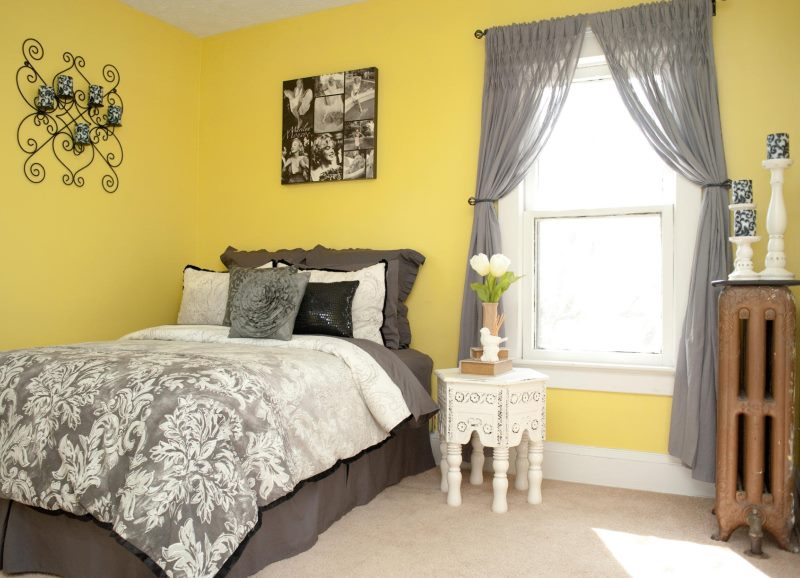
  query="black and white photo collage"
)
[{"x": 329, "y": 127}]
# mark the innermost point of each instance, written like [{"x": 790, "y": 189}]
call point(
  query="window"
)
[
  {"x": 599, "y": 229},
  {"x": 604, "y": 230}
]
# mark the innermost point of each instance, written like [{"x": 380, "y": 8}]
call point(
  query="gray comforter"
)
[{"x": 176, "y": 435}]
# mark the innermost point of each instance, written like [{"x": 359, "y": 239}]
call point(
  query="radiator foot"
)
[
  {"x": 721, "y": 536},
  {"x": 756, "y": 533}
]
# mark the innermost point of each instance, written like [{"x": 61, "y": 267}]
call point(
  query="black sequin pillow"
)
[
  {"x": 327, "y": 309},
  {"x": 266, "y": 302}
]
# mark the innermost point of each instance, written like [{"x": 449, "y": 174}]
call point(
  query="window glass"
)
[
  {"x": 597, "y": 157},
  {"x": 599, "y": 283}
]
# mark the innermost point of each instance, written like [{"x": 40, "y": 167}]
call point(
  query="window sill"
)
[{"x": 637, "y": 379}]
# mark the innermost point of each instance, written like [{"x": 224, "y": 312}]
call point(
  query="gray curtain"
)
[
  {"x": 662, "y": 61},
  {"x": 528, "y": 72}
]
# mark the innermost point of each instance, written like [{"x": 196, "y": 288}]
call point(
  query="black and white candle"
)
[
  {"x": 64, "y": 86},
  {"x": 47, "y": 98},
  {"x": 114, "y": 115},
  {"x": 778, "y": 146},
  {"x": 95, "y": 95},
  {"x": 81, "y": 135},
  {"x": 742, "y": 192},
  {"x": 744, "y": 222}
]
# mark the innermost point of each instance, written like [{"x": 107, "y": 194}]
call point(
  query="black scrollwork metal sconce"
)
[{"x": 68, "y": 120}]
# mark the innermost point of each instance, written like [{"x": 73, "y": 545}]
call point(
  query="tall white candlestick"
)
[{"x": 775, "y": 263}]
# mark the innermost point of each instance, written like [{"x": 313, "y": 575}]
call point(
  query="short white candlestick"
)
[
  {"x": 775, "y": 262},
  {"x": 743, "y": 263}
]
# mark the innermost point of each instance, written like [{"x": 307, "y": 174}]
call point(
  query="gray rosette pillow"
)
[{"x": 263, "y": 303}]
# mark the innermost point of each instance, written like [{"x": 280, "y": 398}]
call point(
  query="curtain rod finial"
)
[{"x": 480, "y": 34}]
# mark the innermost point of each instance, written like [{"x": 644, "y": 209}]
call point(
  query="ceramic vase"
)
[{"x": 489, "y": 316}]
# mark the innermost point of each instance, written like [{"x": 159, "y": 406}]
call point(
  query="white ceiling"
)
[{"x": 207, "y": 17}]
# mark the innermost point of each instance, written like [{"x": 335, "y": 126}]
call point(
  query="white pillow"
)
[
  {"x": 205, "y": 296},
  {"x": 367, "y": 302}
]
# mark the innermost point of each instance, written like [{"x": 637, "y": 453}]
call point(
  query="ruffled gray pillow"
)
[
  {"x": 236, "y": 280},
  {"x": 265, "y": 302}
]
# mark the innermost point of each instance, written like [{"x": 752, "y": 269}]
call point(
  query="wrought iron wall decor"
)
[{"x": 68, "y": 119}]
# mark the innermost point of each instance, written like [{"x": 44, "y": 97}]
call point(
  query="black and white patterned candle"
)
[
  {"x": 742, "y": 191},
  {"x": 778, "y": 146},
  {"x": 114, "y": 115},
  {"x": 81, "y": 133},
  {"x": 744, "y": 222},
  {"x": 95, "y": 95},
  {"x": 64, "y": 86},
  {"x": 46, "y": 99}
]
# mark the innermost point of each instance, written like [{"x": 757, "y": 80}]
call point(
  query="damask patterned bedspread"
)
[{"x": 174, "y": 436}]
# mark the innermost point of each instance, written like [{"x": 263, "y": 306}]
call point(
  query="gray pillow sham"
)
[
  {"x": 232, "y": 257},
  {"x": 265, "y": 302},
  {"x": 402, "y": 266}
]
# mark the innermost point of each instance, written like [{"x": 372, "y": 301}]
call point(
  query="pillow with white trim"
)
[
  {"x": 368, "y": 302},
  {"x": 205, "y": 296}
]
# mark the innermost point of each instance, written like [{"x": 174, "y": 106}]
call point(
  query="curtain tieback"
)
[
  {"x": 473, "y": 201},
  {"x": 726, "y": 184}
]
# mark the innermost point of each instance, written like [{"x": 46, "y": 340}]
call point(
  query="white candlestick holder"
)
[
  {"x": 775, "y": 262},
  {"x": 743, "y": 262}
]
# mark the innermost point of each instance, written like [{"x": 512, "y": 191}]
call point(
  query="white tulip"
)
[
  {"x": 480, "y": 263},
  {"x": 499, "y": 265}
]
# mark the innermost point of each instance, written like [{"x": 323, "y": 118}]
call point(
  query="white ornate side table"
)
[{"x": 499, "y": 412}]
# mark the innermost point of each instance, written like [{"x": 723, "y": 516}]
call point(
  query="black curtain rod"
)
[{"x": 481, "y": 33}]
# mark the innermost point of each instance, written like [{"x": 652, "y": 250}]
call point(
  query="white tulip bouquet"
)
[{"x": 496, "y": 276}]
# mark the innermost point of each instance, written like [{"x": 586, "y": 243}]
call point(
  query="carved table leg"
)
[
  {"x": 454, "y": 474},
  {"x": 476, "y": 459},
  {"x": 443, "y": 462},
  {"x": 535, "y": 457},
  {"x": 500, "y": 481},
  {"x": 521, "y": 482}
]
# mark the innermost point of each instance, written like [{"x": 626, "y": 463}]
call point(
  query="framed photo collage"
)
[{"x": 329, "y": 127}]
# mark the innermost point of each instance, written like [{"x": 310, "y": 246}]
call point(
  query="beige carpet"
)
[{"x": 579, "y": 530}]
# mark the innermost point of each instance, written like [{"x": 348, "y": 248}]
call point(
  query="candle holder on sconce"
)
[{"x": 69, "y": 122}]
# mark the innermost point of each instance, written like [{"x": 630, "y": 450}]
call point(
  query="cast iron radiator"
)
[{"x": 755, "y": 413}]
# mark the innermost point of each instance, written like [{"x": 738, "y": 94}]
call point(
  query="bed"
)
[{"x": 181, "y": 451}]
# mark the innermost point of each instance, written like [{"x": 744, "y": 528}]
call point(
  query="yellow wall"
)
[
  {"x": 78, "y": 263},
  {"x": 82, "y": 264},
  {"x": 428, "y": 127}
]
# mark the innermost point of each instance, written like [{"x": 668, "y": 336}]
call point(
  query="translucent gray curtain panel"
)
[
  {"x": 528, "y": 72},
  {"x": 662, "y": 60}
]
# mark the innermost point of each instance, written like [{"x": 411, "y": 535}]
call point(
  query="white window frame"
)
[{"x": 623, "y": 376}]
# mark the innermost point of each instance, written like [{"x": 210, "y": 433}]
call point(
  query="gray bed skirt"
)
[
  {"x": 33, "y": 540},
  {"x": 36, "y": 541}
]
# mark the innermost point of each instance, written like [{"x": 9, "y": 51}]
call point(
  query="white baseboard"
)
[{"x": 633, "y": 470}]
